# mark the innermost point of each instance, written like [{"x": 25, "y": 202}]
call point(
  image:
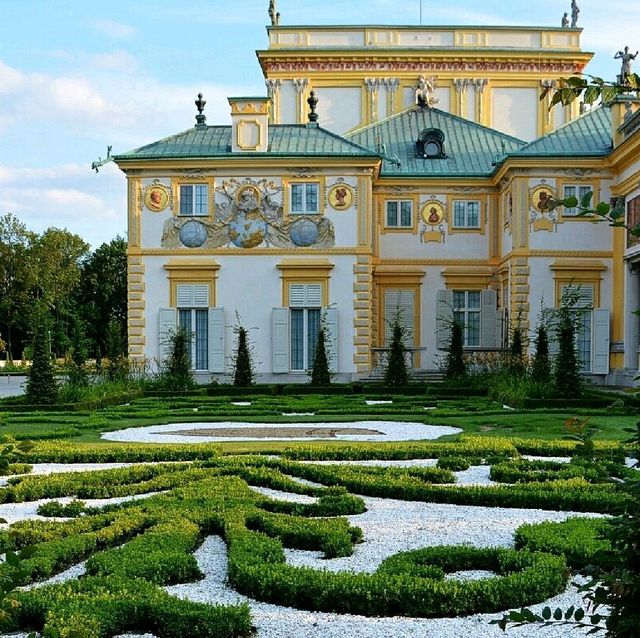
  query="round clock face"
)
[
  {"x": 431, "y": 149},
  {"x": 193, "y": 234}
]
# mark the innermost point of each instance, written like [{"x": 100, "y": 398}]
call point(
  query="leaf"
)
[
  {"x": 609, "y": 93},
  {"x": 569, "y": 612},
  {"x": 13, "y": 560},
  {"x": 570, "y": 202},
  {"x": 603, "y": 208},
  {"x": 546, "y": 613},
  {"x": 557, "y": 614},
  {"x": 595, "y": 619},
  {"x": 579, "y": 615},
  {"x": 585, "y": 202},
  {"x": 591, "y": 94},
  {"x": 2, "y": 520}
]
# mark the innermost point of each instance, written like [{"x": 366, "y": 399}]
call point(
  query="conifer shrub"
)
[
  {"x": 455, "y": 367},
  {"x": 396, "y": 373},
  {"x": 541, "y": 367},
  {"x": 566, "y": 374},
  {"x": 243, "y": 373},
  {"x": 176, "y": 374},
  {"x": 320, "y": 374},
  {"x": 42, "y": 388}
]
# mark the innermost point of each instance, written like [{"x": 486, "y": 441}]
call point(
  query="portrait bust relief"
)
[
  {"x": 340, "y": 196},
  {"x": 156, "y": 197}
]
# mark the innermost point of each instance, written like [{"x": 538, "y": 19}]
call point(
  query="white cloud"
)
[
  {"x": 113, "y": 29},
  {"x": 11, "y": 80},
  {"x": 120, "y": 61},
  {"x": 11, "y": 175}
]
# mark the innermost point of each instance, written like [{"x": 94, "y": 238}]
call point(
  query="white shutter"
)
[
  {"x": 444, "y": 318},
  {"x": 600, "y": 345},
  {"x": 401, "y": 301},
  {"x": 280, "y": 339},
  {"x": 201, "y": 295},
  {"x": 583, "y": 292},
  {"x": 216, "y": 340},
  {"x": 313, "y": 295},
  {"x": 184, "y": 295},
  {"x": 489, "y": 319},
  {"x": 297, "y": 295},
  {"x": 166, "y": 328},
  {"x": 331, "y": 336}
]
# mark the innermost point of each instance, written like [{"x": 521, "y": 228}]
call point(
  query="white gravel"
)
[
  {"x": 474, "y": 475},
  {"x": 391, "y": 431}
]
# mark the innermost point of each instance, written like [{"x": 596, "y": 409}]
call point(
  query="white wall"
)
[
  {"x": 515, "y": 111},
  {"x": 340, "y": 109}
]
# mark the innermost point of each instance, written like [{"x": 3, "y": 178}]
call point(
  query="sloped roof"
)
[
  {"x": 589, "y": 134},
  {"x": 471, "y": 148},
  {"x": 288, "y": 140}
]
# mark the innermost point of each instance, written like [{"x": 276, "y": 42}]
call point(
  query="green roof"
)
[
  {"x": 286, "y": 140},
  {"x": 472, "y": 149},
  {"x": 588, "y": 134}
]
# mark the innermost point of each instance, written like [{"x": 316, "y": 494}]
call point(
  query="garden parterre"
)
[{"x": 133, "y": 550}]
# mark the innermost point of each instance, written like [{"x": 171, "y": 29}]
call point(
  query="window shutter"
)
[
  {"x": 444, "y": 318},
  {"x": 489, "y": 319},
  {"x": 313, "y": 295},
  {"x": 297, "y": 295},
  {"x": 331, "y": 335},
  {"x": 201, "y": 295},
  {"x": 600, "y": 346},
  {"x": 400, "y": 301},
  {"x": 167, "y": 327},
  {"x": 584, "y": 294},
  {"x": 184, "y": 295},
  {"x": 216, "y": 340},
  {"x": 280, "y": 339}
]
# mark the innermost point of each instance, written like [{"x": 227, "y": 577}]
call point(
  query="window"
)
[
  {"x": 193, "y": 316},
  {"x": 400, "y": 214},
  {"x": 578, "y": 192},
  {"x": 466, "y": 214},
  {"x": 583, "y": 295},
  {"x": 466, "y": 311},
  {"x": 196, "y": 323},
  {"x": 304, "y": 198},
  {"x": 304, "y": 303},
  {"x": 194, "y": 199}
]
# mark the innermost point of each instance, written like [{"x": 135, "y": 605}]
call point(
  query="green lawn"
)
[{"x": 479, "y": 416}]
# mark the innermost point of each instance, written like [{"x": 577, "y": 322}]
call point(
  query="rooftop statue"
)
[
  {"x": 575, "y": 12},
  {"x": 626, "y": 57},
  {"x": 565, "y": 20}
]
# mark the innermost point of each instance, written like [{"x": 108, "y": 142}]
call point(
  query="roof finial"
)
[
  {"x": 273, "y": 14},
  {"x": 312, "y": 101},
  {"x": 201, "y": 118}
]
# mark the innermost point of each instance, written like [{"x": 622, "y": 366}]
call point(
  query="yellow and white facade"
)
[{"x": 281, "y": 224}]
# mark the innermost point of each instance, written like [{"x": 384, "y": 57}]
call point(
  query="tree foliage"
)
[
  {"x": 541, "y": 367},
  {"x": 41, "y": 384},
  {"x": 590, "y": 89},
  {"x": 455, "y": 367},
  {"x": 243, "y": 369},
  {"x": 176, "y": 373},
  {"x": 396, "y": 373}
]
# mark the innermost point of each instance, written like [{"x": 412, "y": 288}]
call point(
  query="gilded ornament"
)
[
  {"x": 432, "y": 213},
  {"x": 156, "y": 197},
  {"x": 340, "y": 196}
]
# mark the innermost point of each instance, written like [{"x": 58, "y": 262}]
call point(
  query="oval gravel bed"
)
[{"x": 371, "y": 431}]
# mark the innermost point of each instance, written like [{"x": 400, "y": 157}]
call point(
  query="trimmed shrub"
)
[
  {"x": 320, "y": 374},
  {"x": 581, "y": 540}
]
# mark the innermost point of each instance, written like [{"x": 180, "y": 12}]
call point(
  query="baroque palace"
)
[{"x": 388, "y": 171}]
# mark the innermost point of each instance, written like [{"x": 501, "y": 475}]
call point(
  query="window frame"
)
[
  {"x": 466, "y": 311},
  {"x": 194, "y": 199},
  {"x": 398, "y": 226},
  {"x": 466, "y": 225},
  {"x": 590, "y": 188},
  {"x": 304, "y": 210}
]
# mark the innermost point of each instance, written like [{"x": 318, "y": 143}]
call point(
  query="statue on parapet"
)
[
  {"x": 425, "y": 91},
  {"x": 565, "y": 20},
  {"x": 273, "y": 14},
  {"x": 575, "y": 12},
  {"x": 626, "y": 58}
]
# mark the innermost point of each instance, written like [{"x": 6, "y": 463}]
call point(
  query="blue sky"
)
[{"x": 78, "y": 75}]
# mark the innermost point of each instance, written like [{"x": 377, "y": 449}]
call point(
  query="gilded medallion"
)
[
  {"x": 340, "y": 197},
  {"x": 432, "y": 212},
  {"x": 541, "y": 198},
  {"x": 156, "y": 197}
]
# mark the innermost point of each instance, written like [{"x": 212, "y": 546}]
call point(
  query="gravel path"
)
[{"x": 392, "y": 431}]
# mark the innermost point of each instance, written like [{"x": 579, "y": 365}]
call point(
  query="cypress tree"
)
[
  {"x": 320, "y": 374},
  {"x": 177, "y": 374},
  {"x": 396, "y": 373},
  {"x": 243, "y": 375},
  {"x": 541, "y": 369},
  {"x": 77, "y": 374},
  {"x": 455, "y": 366},
  {"x": 567, "y": 378},
  {"x": 516, "y": 352},
  {"x": 41, "y": 384}
]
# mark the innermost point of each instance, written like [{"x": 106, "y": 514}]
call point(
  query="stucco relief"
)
[{"x": 248, "y": 214}]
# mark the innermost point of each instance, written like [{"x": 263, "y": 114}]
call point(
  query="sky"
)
[{"x": 78, "y": 75}]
